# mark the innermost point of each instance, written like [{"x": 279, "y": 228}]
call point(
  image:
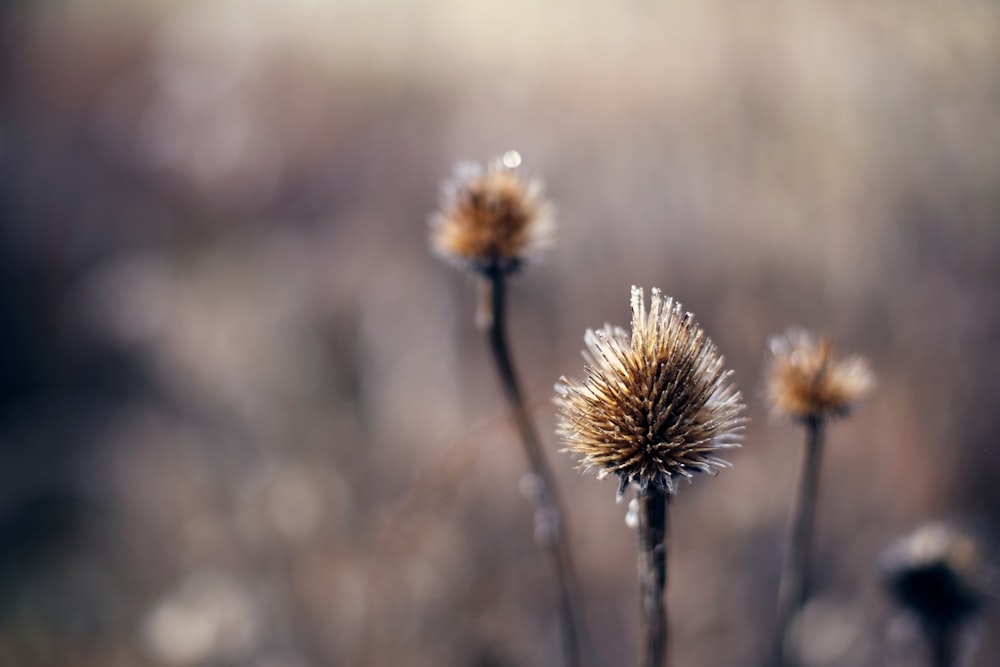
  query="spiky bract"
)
[
  {"x": 491, "y": 218},
  {"x": 807, "y": 381},
  {"x": 655, "y": 406}
]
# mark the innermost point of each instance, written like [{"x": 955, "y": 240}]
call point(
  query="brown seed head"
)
[
  {"x": 490, "y": 218},
  {"x": 937, "y": 573},
  {"x": 807, "y": 381},
  {"x": 654, "y": 406}
]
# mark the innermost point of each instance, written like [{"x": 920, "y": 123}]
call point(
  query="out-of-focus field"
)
[{"x": 246, "y": 419}]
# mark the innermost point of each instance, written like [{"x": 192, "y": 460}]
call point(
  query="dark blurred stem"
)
[
  {"x": 942, "y": 645},
  {"x": 550, "y": 526},
  {"x": 792, "y": 591},
  {"x": 653, "y": 577}
]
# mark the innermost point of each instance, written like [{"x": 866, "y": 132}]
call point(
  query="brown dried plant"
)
[
  {"x": 808, "y": 383},
  {"x": 654, "y": 407},
  {"x": 937, "y": 574},
  {"x": 491, "y": 220}
]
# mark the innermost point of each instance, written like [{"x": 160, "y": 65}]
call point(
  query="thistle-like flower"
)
[
  {"x": 936, "y": 573},
  {"x": 655, "y": 406},
  {"x": 806, "y": 381},
  {"x": 491, "y": 219}
]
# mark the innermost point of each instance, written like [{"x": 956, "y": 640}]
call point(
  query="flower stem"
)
[
  {"x": 942, "y": 645},
  {"x": 792, "y": 591},
  {"x": 550, "y": 526},
  {"x": 653, "y": 504}
]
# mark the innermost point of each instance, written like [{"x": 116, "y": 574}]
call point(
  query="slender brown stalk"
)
[
  {"x": 792, "y": 591},
  {"x": 653, "y": 504},
  {"x": 943, "y": 647},
  {"x": 550, "y": 525}
]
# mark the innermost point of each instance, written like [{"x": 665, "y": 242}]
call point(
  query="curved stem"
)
[
  {"x": 550, "y": 527},
  {"x": 792, "y": 591}
]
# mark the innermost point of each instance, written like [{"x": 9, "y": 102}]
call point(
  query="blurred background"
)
[{"x": 246, "y": 419}]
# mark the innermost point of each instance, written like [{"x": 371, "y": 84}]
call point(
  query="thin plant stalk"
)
[
  {"x": 942, "y": 645},
  {"x": 792, "y": 591},
  {"x": 550, "y": 526},
  {"x": 653, "y": 505}
]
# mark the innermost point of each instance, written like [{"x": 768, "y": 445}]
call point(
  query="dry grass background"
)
[{"x": 245, "y": 418}]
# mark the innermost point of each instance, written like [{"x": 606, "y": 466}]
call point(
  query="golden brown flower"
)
[
  {"x": 807, "y": 381},
  {"x": 937, "y": 573},
  {"x": 491, "y": 218},
  {"x": 654, "y": 406}
]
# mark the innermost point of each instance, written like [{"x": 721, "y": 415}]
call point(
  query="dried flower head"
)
[
  {"x": 654, "y": 406},
  {"x": 937, "y": 573},
  {"x": 807, "y": 381},
  {"x": 491, "y": 218}
]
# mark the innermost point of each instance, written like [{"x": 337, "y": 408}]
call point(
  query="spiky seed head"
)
[
  {"x": 654, "y": 406},
  {"x": 806, "y": 380},
  {"x": 937, "y": 573},
  {"x": 491, "y": 218}
]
